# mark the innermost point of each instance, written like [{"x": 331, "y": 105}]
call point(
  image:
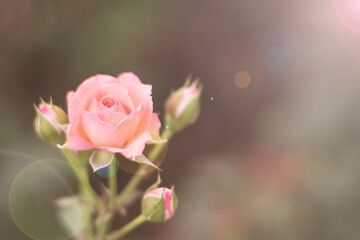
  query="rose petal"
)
[
  {"x": 134, "y": 149},
  {"x": 157, "y": 192},
  {"x": 76, "y": 130},
  {"x": 137, "y": 122},
  {"x": 89, "y": 90},
  {"x": 69, "y": 97},
  {"x": 121, "y": 92},
  {"x": 97, "y": 81},
  {"x": 155, "y": 124},
  {"x": 128, "y": 77},
  {"x": 168, "y": 196},
  {"x": 48, "y": 112},
  {"x": 111, "y": 117},
  {"x": 138, "y": 92},
  {"x": 99, "y": 132},
  {"x": 81, "y": 100},
  {"x": 94, "y": 106},
  {"x": 77, "y": 143}
]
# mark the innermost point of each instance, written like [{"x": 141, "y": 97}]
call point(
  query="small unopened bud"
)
[
  {"x": 183, "y": 106},
  {"x": 160, "y": 204},
  {"x": 50, "y": 123}
]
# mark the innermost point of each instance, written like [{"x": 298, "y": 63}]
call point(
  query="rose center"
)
[{"x": 108, "y": 102}]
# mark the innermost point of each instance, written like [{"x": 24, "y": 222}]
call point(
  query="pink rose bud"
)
[
  {"x": 50, "y": 123},
  {"x": 183, "y": 106},
  {"x": 160, "y": 204}
]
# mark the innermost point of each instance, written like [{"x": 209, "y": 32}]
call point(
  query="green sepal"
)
[
  {"x": 174, "y": 199},
  {"x": 142, "y": 159},
  {"x": 100, "y": 159},
  {"x": 154, "y": 209},
  {"x": 63, "y": 118},
  {"x": 155, "y": 185}
]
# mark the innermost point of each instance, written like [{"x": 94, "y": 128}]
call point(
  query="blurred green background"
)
[{"x": 273, "y": 156}]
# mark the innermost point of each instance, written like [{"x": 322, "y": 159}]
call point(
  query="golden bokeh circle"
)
[{"x": 242, "y": 79}]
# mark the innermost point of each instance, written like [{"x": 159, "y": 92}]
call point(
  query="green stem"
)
[
  {"x": 82, "y": 177},
  {"x": 83, "y": 180},
  {"x": 112, "y": 184},
  {"x": 137, "y": 177},
  {"x": 87, "y": 196},
  {"x": 127, "y": 228},
  {"x": 103, "y": 228}
]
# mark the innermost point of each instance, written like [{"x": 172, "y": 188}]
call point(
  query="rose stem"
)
[
  {"x": 135, "y": 180},
  {"x": 112, "y": 184},
  {"x": 137, "y": 177},
  {"x": 82, "y": 177},
  {"x": 112, "y": 181},
  {"x": 127, "y": 228},
  {"x": 83, "y": 181}
]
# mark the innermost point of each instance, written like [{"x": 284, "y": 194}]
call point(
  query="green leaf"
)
[{"x": 73, "y": 213}]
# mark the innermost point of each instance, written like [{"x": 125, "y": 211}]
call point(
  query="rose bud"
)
[
  {"x": 183, "y": 106},
  {"x": 160, "y": 204},
  {"x": 50, "y": 123}
]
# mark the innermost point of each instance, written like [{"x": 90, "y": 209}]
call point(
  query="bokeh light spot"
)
[
  {"x": 275, "y": 58},
  {"x": 32, "y": 198},
  {"x": 242, "y": 79},
  {"x": 105, "y": 173},
  {"x": 278, "y": 50},
  {"x": 348, "y": 12}
]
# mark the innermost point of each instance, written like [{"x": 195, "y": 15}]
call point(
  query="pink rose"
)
[{"x": 112, "y": 114}]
